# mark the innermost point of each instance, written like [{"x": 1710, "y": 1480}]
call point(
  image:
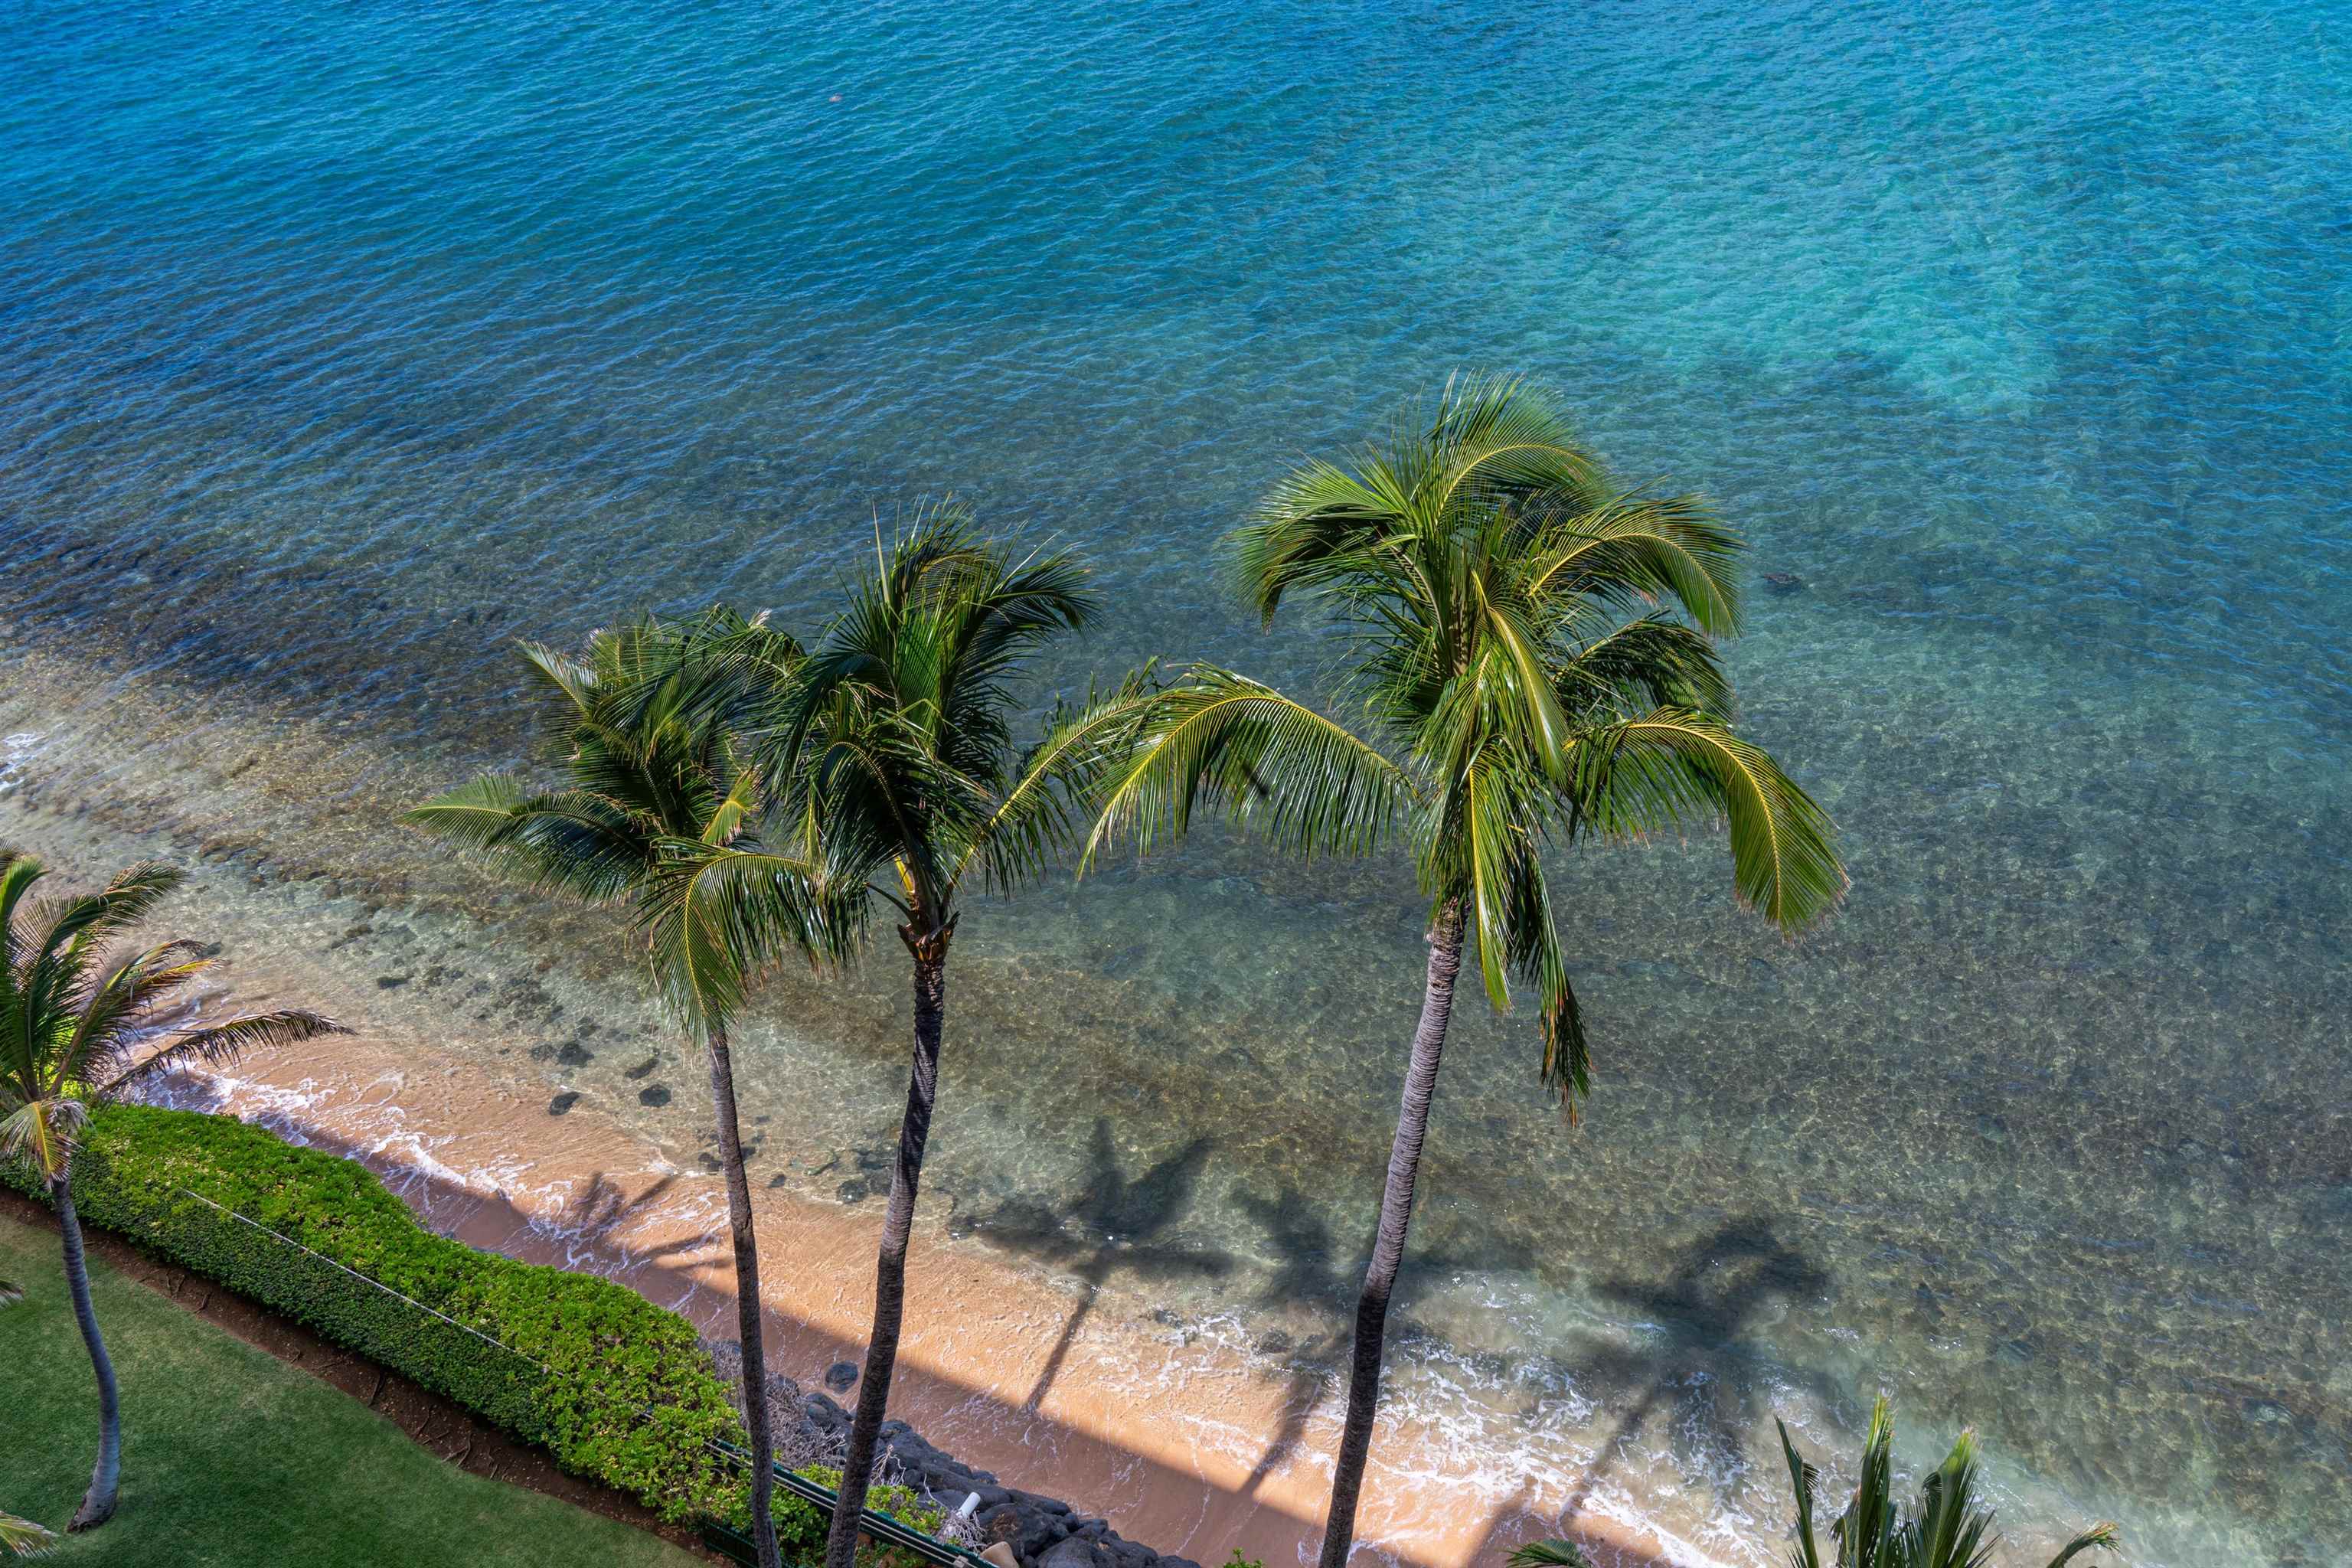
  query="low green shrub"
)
[
  {"x": 802, "y": 1526},
  {"x": 615, "y": 1388}
]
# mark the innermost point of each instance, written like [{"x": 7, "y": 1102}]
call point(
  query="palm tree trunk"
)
[
  {"x": 98, "y": 1503},
  {"x": 1388, "y": 1248},
  {"x": 748, "y": 1322},
  {"x": 890, "y": 1270}
]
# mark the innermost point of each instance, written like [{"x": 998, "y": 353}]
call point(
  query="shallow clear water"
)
[{"x": 338, "y": 349}]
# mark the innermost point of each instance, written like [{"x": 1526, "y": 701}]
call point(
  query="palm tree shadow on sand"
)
[
  {"x": 1114, "y": 1226},
  {"x": 1704, "y": 1312}
]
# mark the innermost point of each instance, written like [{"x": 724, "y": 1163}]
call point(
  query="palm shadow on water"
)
[
  {"x": 601, "y": 1214},
  {"x": 1703, "y": 1313},
  {"x": 1114, "y": 1226},
  {"x": 1313, "y": 1269}
]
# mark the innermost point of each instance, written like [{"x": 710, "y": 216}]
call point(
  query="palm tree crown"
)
[
  {"x": 1533, "y": 662},
  {"x": 894, "y": 744},
  {"x": 82, "y": 1018},
  {"x": 1948, "y": 1530},
  {"x": 657, "y": 787}
]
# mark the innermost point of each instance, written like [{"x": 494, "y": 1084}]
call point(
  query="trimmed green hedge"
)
[{"x": 622, "y": 1392}]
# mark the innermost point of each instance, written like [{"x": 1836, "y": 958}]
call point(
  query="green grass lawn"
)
[{"x": 231, "y": 1458}]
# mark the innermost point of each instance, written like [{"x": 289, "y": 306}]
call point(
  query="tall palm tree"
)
[
  {"x": 651, "y": 774},
  {"x": 892, "y": 749},
  {"x": 1948, "y": 1530},
  {"x": 82, "y": 1019},
  {"x": 1520, "y": 689}
]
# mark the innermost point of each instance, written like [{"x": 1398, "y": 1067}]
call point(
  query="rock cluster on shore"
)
[{"x": 1043, "y": 1532}]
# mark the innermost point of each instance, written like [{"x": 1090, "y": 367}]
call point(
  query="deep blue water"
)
[{"x": 339, "y": 346}]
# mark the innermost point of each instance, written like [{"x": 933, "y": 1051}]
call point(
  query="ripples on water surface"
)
[{"x": 339, "y": 347}]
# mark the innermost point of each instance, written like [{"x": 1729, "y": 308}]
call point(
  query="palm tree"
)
[
  {"x": 892, "y": 749},
  {"x": 1948, "y": 1530},
  {"x": 81, "y": 1020},
  {"x": 1520, "y": 689},
  {"x": 651, "y": 774}
]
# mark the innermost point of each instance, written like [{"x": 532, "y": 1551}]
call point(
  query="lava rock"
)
[{"x": 841, "y": 1376}]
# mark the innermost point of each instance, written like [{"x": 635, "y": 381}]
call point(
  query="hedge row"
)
[{"x": 615, "y": 1388}]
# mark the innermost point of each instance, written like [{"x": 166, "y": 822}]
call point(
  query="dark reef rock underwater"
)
[{"x": 1043, "y": 1532}]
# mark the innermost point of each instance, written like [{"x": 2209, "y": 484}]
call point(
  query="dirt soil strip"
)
[{"x": 430, "y": 1421}]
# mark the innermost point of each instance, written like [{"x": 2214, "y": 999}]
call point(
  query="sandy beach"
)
[{"x": 1178, "y": 1439}]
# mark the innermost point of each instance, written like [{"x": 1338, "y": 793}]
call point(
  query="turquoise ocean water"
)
[{"x": 339, "y": 346}]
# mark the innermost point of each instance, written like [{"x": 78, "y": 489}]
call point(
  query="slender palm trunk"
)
[
  {"x": 890, "y": 1270},
  {"x": 748, "y": 1328},
  {"x": 1388, "y": 1248},
  {"x": 98, "y": 1503}
]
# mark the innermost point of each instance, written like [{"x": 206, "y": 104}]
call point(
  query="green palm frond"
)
[
  {"x": 1271, "y": 763},
  {"x": 715, "y": 915},
  {"x": 72, "y": 1014},
  {"x": 1057, "y": 786},
  {"x": 109, "y": 1014},
  {"x": 122, "y": 903},
  {"x": 1671, "y": 767},
  {"x": 570, "y": 841},
  {"x": 893, "y": 738},
  {"x": 1550, "y": 1554},
  {"x": 10, "y": 1292},
  {"x": 1530, "y": 642},
  {"x": 224, "y": 1043},
  {"x": 567, "y": 688},
  {"x": 2105, "y": 1536},
  {"x": 1949, "y": 1529},
  {"x": 1648, "y": 662},
  {"x": 659, "y": 804},
  {"x": 20, "y": 872},
  {"x": 1804, "y": 1482},
  {"x": 1636, "y": 548}
]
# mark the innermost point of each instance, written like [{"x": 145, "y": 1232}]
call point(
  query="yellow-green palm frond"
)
[
  {"x": 1217, "y": 739},
  {"x": 1499, "y": 443},
  {"x": 1634, "y": 548},
  {"x": 1648, "y": 662},
  {"x": 1673, "y": 766},
  {"x": 23, "y": 1537},
  {"x": 42, "y": 1131},
  {"x": 715, "y": 915},
  {"x": 2102, "y": 1536}
]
